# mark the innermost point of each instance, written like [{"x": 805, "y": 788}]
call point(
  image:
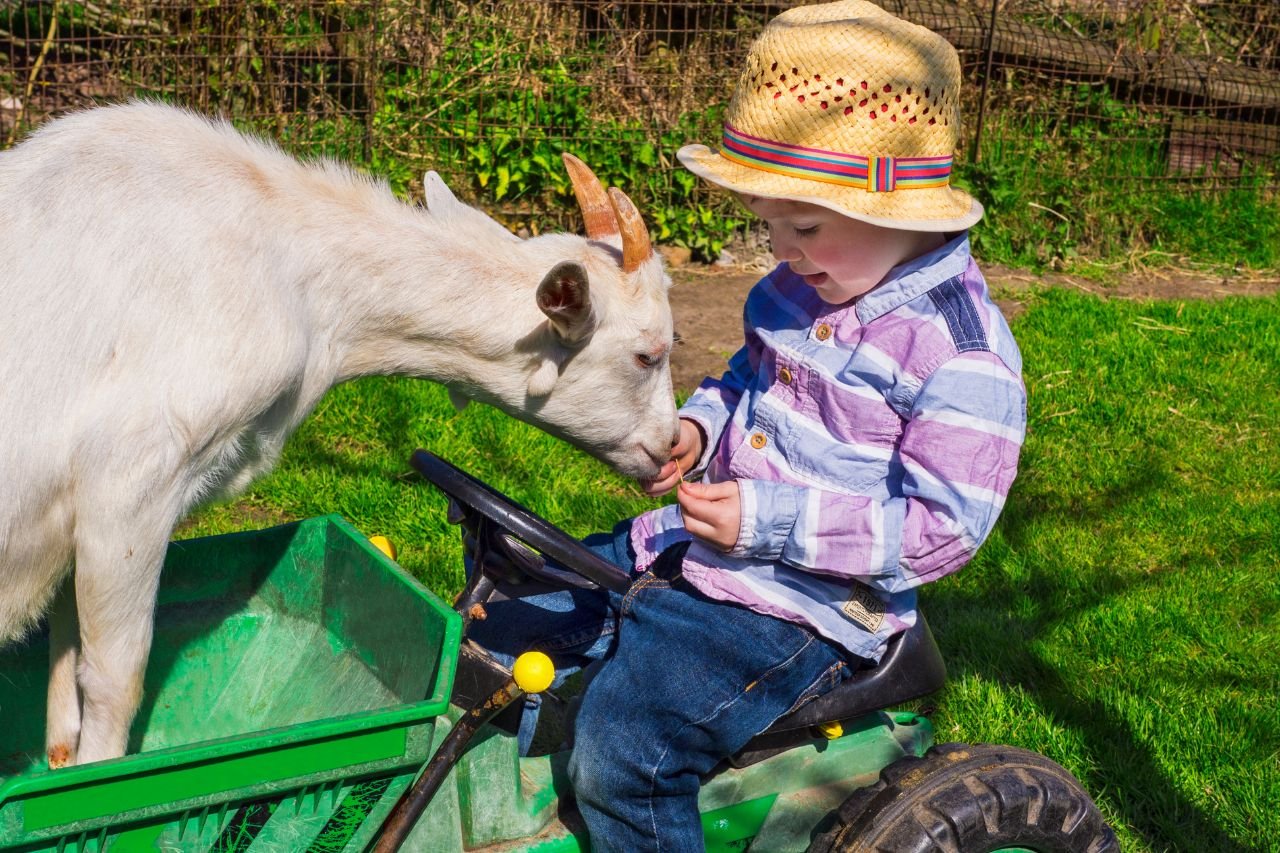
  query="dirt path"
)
[{"x": 707, "y": 302}]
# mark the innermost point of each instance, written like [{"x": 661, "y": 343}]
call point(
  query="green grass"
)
[
  {"x": 1123, "y": 618},
  {"x": 1060, "y": 191}
]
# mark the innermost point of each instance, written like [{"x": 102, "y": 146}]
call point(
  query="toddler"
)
[{"x": 861, "y": 443}]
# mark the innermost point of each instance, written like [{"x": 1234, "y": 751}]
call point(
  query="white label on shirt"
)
[{"x": 864, "y": 608}]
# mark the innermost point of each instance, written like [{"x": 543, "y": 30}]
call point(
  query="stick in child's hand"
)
[{"x": 678, "y": 471}]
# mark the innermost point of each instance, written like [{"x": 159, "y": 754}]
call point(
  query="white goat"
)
[{"x": 175, "y": 298}]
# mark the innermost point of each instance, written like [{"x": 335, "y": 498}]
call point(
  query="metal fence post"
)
[
  {"x": 975, "y": 150},
  {"x": 372, "y": 78}
]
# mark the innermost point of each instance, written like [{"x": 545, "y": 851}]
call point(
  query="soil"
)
[{"x": 706, "y": 301}]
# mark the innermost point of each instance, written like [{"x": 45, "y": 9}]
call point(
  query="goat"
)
[{"x": 177, "y": 297}]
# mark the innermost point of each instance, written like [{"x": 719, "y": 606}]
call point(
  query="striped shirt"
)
[{"x": 873, "y": 444}]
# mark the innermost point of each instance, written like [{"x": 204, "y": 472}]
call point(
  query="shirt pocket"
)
[{"x": 844, "y": 455}]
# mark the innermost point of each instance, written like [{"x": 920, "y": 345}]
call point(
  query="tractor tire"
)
[{"x": 962, "y": 798}]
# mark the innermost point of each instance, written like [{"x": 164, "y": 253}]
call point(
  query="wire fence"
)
[{"x": 1149, "y": 96}]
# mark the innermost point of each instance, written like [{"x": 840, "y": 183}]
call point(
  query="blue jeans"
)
[{"x": 683, "y": 682}]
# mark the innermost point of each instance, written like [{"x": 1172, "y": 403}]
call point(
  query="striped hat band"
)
[{"x": 875, "y": 174}]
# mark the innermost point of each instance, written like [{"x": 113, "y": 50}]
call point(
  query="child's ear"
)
[{"x": 746, "y": 201}]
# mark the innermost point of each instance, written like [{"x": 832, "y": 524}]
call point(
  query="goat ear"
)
[
  {"x": 438, "y": 195},
  {"x": 442, "y": 203},
  {"x": 564, "y": 296}
]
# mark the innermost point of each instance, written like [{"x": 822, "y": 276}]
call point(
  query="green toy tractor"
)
[{"x": 305, "y": 694}]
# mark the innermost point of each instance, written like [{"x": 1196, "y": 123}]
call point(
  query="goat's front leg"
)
[
  {"x": 62, "y": 717},
  {"x": 118, "y": 564}
]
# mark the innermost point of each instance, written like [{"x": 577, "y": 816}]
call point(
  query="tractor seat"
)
[{"x": 911, "y": 667}]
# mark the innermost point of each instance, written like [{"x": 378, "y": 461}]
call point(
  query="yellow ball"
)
[
  {"x": 384, "y": 545},
  {"x": 533, "y": 672}
]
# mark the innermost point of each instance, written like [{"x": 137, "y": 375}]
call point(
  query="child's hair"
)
[{"x": 846, "y": 106}]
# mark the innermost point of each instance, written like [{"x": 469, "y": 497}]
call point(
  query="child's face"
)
[{"x": 839, "y": 257}]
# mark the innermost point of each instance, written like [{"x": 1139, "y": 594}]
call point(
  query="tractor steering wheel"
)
[{"x": 516, "y": 532}]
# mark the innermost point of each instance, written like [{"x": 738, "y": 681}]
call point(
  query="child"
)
[{"x": 861, "y": 443}]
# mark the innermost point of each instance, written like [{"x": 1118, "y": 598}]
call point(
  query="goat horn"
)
[
  {"x": 596, "y": 210},
  {"x": 636, "y": 247}
]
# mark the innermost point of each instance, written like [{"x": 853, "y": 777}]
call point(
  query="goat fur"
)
[{"x": 177, "y": 297}]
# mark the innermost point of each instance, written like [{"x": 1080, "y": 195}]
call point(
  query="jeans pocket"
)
[
  {"x": 834, "y": 674},
  {"x": 645, "y": 582}
]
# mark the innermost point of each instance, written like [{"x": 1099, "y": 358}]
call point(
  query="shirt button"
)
[
  {"x": 822, "y": 332},
  {"x": 758, "y": 440},
  {"x": 785, "y": 376}
]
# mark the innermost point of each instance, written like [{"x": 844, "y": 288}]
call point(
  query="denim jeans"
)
[{"x": 683, "y": 681}]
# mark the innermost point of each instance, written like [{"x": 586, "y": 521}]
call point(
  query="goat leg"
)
[
  {"x": 62, "y": 720},
  {"x": 117, "y": 575}
]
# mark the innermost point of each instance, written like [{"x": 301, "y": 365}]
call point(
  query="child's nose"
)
[{"x": 784, "y": 251}]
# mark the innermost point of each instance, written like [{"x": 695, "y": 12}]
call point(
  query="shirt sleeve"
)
[
  {"x": 712, "y": 405},
  {"x": 957, "y": 457}
]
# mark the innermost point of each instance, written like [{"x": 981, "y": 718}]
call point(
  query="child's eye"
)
[{"x": 807, "y": 232}]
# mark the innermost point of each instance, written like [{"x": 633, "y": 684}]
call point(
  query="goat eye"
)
[{"x": 646, "y": 360}]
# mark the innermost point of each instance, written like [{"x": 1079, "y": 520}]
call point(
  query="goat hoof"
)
[{"x": 59, "y": 757}]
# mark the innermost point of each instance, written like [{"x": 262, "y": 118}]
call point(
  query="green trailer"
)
[{"x": 306, "y": 694}]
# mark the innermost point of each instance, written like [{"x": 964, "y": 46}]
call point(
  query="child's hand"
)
[
  {"x": 684, "y": 455},
  {"x": 712, "y": 511}
]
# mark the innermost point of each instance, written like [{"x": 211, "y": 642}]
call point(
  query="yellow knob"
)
[
  {"x": 384, "y": 545},
  {"x": 533, "y": 672}
]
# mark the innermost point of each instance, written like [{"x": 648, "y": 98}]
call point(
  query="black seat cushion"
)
[{"x": 911, "y": 667}]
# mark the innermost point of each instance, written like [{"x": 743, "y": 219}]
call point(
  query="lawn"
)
[{"x": 1122, "y": 619}]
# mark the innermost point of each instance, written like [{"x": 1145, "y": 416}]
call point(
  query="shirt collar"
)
[{"x": 914, "y": 278}]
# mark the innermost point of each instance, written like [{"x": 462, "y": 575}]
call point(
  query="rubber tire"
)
[{"x": 962, "y": 798}]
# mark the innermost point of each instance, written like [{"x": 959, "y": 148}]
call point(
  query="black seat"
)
[{"x": 911, "y": 667}]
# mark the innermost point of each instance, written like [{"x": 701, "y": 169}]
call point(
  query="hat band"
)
[{"x": 875, "y": 174}]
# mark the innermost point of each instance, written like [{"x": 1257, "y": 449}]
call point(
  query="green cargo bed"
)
[{"x": 295, "y": 665}]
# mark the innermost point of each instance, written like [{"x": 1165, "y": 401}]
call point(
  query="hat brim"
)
[{"x": 942, "y": 209}]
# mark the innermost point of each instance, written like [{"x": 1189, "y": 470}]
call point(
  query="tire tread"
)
[{"x": 960, "y": 798}]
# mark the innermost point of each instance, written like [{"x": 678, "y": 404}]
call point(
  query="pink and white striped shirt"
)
[{"x": 873, "y": 443}]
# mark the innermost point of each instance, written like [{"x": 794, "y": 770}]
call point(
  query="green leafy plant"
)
[{"x": 490, "y": 93}]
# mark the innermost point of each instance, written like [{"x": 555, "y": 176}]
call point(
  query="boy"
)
[{"x": 861, "y": 443}]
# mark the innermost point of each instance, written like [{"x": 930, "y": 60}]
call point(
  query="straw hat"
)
[{"x": 846, "y": 106}]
